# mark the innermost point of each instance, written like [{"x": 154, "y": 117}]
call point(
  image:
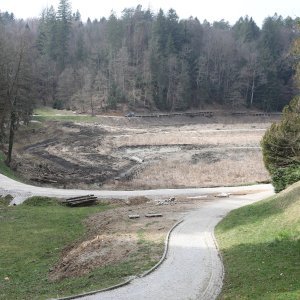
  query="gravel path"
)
[
  {"x": 21, "y": 191},
  {"x": 192, "y": 268}
]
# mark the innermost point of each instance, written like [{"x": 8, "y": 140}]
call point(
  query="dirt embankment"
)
[{"x": 112, "y": 237}]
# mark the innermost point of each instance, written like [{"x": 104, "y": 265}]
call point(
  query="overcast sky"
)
[{"x": 212, "y": 10}]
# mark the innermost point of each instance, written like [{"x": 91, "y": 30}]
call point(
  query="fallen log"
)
[
  {"x": 44, "y": 180},
  {"x": 133, "y": 216},
  {"x": 153, "y": 215},
  {"x": 76, "y": 201}
]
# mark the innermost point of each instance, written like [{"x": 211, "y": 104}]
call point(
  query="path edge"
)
[
  {"x": 167, "y": 240},
  {"x": 215, "y": 285}
]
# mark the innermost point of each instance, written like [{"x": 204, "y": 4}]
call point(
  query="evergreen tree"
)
[
  {"x": 64, "y": 18},
  {"x": 47, "y": 40},
  {"x": 281, "y": 147},
  {"x": 114, "y": 33},
  {"x": 272, "y": 46},
  {"x": 246, "y": 30}
]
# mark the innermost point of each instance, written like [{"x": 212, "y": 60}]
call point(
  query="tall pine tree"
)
[{"x": 64, "y": 18}]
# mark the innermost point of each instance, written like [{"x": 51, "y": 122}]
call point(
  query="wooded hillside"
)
[{"x": 143, "y": 61}]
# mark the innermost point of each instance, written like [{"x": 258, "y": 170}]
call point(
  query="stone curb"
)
[
  {"x": 133, "y": 277},
  {"x": 165, "y": 252},
  {"x": 209, "y": 293},
  {"x": 97, "y": 291}
]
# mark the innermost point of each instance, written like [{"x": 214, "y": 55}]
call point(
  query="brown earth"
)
[
  {"x": 131, "y": 153},
  {"x": 112, "y": 237}
]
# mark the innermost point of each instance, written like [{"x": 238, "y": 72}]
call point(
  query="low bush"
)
[
  {"x": 281, "y": 147},
  {"x": 283, "y": 177}
]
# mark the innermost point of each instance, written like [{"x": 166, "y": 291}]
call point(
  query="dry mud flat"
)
[{"x": 134, "y": 153}]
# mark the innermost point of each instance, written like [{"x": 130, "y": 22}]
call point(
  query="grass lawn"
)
[
  {"x": 260, "y": 245},
  {"x": 32, "y": 237},
  {"x": 45, "y": 114}
]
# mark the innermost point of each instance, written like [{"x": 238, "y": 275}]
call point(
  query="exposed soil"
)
[
  {"x": 129, "y": 153},
  {"x": 112, "y": 237},
  {"x": 69, "y": 155}
]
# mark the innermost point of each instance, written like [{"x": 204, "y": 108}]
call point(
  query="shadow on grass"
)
[
  {"x": 256, "y": 212},
  {"x": 263, "y": 271}
]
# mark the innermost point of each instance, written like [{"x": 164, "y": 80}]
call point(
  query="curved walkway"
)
[
  {"x": 192, "y": 269},
  {"x": 21, "y": 191}
]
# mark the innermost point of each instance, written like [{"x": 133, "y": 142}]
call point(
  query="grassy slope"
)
[
  {"x": 4, "y": 169},
  {"x": 32, "y": 237},
  {"x": 260, "y": 245}
]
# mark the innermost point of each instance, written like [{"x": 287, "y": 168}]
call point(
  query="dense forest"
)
[{"x": 142, "y": 61}]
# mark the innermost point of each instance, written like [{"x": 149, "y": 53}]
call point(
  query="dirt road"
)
[{"x": 21, "y": 191}]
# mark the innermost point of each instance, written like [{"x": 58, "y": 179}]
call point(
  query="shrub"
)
[
  {"x": 283, "y": 177},
  {"x": 281, "y": 147},
  {"x": 58, "y": 104}
]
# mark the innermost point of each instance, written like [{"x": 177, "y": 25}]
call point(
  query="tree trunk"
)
[
  {"x": 252, "y": 88},
  {"x": 92, "y": 106},
  {"x": 11, "y": 137}
]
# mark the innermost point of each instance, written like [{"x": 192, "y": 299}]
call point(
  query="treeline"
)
[
  {"x": 143, "y": 61},
  {"x": 158, "y": 61}
]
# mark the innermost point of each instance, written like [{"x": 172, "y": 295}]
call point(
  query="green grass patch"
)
[
  {"x": 32, "y": 237},
  {"x": 260, "y": 245},
  {"x": 146, "y": 248},
  {"x": 50, "y": 114},
  {"x": 4, "y": 201},
  {"x": 4, "y": 169}
]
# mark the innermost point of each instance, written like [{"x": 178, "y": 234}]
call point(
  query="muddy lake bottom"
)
[{"x": 129, "y": 153}]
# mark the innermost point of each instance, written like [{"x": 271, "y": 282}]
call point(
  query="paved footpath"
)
[
  {"x": 192, "y": 269},
  {"x": 21, "y": 191}
]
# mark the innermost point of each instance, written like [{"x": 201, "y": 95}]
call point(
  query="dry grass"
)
[
  {"x": 170, "y": 173},
  {"x": 175, "y": 152},
  {"x": 216, "y": 155},
  {"x": 179, "y": 137}
]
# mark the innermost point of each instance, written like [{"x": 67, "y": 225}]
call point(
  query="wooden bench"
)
[{"x": 75, "y": 201}]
